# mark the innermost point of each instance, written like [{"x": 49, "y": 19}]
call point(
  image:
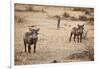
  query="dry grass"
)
[
  {"x": 53, "y": 45},
  {"x": 19, "y": 19}
]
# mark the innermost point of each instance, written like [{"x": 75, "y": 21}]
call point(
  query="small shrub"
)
[
  {"x": 29, "y": 8},
  {"x": 43, "y": 11},
  {"x": 73, "y": 18},
  {"x": 54, "y": 61},
  {"x": 79, "y": 55},
  {"x": 87, "y": 12},
  {"x": 83, "y": 18},
  {"x": 19, "y": 19},
  {"x": 80, "y": 9},
  {"x": 91, "y": 19},
  {"x": 91, "y": 23},
  {"x": 76, "y": 9},
  {"x": 56, "y": 16},
  {"x": 83, "y": 55},
  {"x": 91, "y": 54},
  {"x": 66, "y": 14}
]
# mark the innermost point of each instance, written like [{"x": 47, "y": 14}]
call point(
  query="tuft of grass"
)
[
  {"x": 79, "y": 55},
  {"x": 66, "y": 15},
  {"x": 91, "y": 20},
  {"x": 19, "y": 19},
  {"x": 83, "y": 18},
  {"x": 89, "y": 55},
  {"x": 87, "y": 12},
  {"x": 73, "y": 18},
  {"x": 29, "y": 8},
  {"x": 56, "y": 16}
]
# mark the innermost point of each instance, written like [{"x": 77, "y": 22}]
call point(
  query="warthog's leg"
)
[
  {"x": 25, "y": 46},
  {"x": 74, "y": 38},
  {"x": 70, "y": 36},
  {"x": 80, "y": 37},
  {"x": 29, "y": 48},
  {"x": 35, "y": 42},
  {"x": 34, "y": 47}
]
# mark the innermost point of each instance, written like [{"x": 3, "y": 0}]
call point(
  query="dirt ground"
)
[{"x": 53, "y": 45}]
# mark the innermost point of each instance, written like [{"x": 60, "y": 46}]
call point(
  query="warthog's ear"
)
[
  {"x": 78, "y": 25},
  {"x": 32, "y": 26},
  {"x": 38, "y": 29},
  {"x": 30, "y": 29}
]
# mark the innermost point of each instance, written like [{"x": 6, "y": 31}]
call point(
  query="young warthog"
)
[
  {"x": 77, "y": 32},
  {"x": 30, "y": 38}
]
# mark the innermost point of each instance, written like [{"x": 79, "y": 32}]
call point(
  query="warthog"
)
[
  {"x": 77, "y": 32},
  {"x": 30, "y": 38}
]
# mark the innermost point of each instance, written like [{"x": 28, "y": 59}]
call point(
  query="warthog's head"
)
[
  {"x": 34, "y": 33},
  {"x": 81, "y": 26}
]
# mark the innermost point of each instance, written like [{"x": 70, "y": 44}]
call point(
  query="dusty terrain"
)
[{"x": 53, "y": 45}]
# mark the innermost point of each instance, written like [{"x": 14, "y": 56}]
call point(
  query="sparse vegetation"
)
[
  {"x": 73, "y": 18},
  {"x": 88, "y": 55},
  {"x": 30, "y": 8},
  {"x": 79, "y": 55},
  {"x": 83, "y": 18},
  {"x": 43, "y": 10},
  {"x": 66, "y": 15},
  {"x": 53, "y": 45},
  {"x": 19, "y": 19},
  {"x": 80, "y": 9},
  {"x": 91, "y": 21},
  {"x": 87, "y": 12},
  {"x": 56, "y": 16}
]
